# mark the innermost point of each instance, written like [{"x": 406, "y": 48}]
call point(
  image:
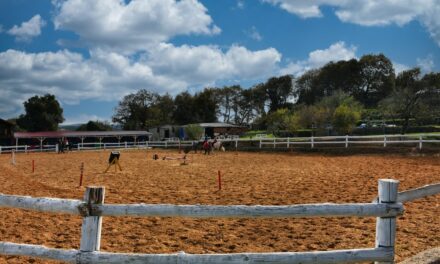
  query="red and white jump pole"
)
[
  {"x": 81, "y": 174},
  {"x": 219, "y": 180}
]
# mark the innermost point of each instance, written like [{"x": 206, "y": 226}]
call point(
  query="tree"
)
[
  {"x": 138, "y": 111},
  {"x": 377, "y": 79},
  {"x": 42, "y": 114},
  {"x": 278, "y": 90},
  {"x": 228, "y": 99},
  {"x": 205, "y": 105},
  {"x": 414, "y": 96},
  {"x": 345, "y": 118},
  {"x": 165, "y": 107},
  {"x": 95, "y": 126},
  {"x": 244, "y": 107},
  {"x": 194, "y": 132},
  {"x": 278, "y": 120},
  {"x": 184, "y": 109},
  {"x": 306, "y": 88},
  {"x": 340, "y": 111}
]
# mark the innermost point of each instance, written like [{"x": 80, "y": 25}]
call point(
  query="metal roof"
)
[
  {"x": 217, "y": 124},
  {"x": 79, "y": 134}
]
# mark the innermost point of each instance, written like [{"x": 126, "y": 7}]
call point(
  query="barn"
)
[
  {"x": 220, "y": 129},
  {"x": 6, "y": 131}
]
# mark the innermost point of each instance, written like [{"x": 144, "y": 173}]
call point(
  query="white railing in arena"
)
[
  {"x": 386, "y": 207},
  {"x": 279, "y": 143}
]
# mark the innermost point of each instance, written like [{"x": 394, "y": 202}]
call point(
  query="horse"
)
[{"x": 218, "y": 145}]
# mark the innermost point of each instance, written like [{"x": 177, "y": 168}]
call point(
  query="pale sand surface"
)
[{"x": 248, "y": 178}]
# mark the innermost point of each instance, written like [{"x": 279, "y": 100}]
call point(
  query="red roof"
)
[{"x": 79, "y": 134}]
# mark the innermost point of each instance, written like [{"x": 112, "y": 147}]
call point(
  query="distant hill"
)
[{"x": 69, "y": 127}]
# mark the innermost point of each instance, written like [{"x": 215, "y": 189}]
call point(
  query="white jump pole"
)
[{"x": 13, "y": 157}]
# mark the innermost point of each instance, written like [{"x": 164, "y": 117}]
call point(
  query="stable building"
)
[
  {"x": 164, "y": 132},
  {"x": 80, "y": 137},
  {"x": 6, "y": 131},
  {"x": 219, "y": 129}
]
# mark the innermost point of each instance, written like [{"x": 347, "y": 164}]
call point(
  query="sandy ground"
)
[{"x": 248, "y": 178}]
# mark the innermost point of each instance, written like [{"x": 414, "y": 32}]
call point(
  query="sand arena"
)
[{"x": 248, "y": 178}]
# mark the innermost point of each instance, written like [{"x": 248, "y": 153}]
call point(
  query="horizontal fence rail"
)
[
  {"x": 92, "y": 209},
  {"x": 418, "y": 193},
  {"x": 77, "y": 256},
  {"x": 260, "y": 211},
  {"x": 78, "y": 207}
]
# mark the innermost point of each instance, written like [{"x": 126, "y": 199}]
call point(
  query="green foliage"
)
[
  {"x": 339, "y": 111},
  {"x": 194, "y": 132},
  {"x": 414, "y": 97},
  {"x": 278, "y": 120},
  {"x": 142, "y": 110},
  {"x": 345, "y": 118},
  {"x": 277, "y": 91},
  {"x": 368, "y": 80},
  {"x": 95, "y": 126},
  {"x": 42, "y": 114},
  {"x": 202, "y": 107}
]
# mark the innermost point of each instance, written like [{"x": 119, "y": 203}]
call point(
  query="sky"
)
[{"x": 90, "y": 54}]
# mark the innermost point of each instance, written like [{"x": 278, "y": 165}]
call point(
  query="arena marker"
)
[
  {"x": 82, "y": 172},
  {"x": 219, "y": 180}
]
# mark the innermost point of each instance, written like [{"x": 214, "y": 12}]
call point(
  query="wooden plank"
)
[
  {"x": 386, "y": 226},
  {"x": 41, "y": 204},
  {"x": 200, "y": 211},
  {"x": 418, "y": 193},
  {"x": 75, "y": 256},
  {"x": 337, "y": 256},
  {"x": 91, "y": 225},
  {"x": 13, "y": 249}
]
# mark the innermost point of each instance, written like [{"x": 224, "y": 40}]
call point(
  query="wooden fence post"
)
[
  {"x": 260, "y": 142},
  {"x": 91, "y": 226},
  {"x": 385, "y": 140},
  {"x": 420, "y": 142},
  {"x": 312, "y": 142},
  {"x": 346, "y": 141},
  {"x": 288, "y": 142},
  {"x": 386, "y": 226}
]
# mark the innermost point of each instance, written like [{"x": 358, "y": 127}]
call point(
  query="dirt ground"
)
[{"x": 248, "y": 178}]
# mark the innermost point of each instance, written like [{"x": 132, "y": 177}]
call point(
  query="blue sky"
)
[{"x": 92, "y": 53}]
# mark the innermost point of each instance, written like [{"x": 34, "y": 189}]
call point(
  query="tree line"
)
[{"x": 336, "y": 96}]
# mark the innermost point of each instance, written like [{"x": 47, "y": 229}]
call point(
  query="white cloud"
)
[
  {"x": 240, "y": 4},
  {"x": 28, "y": 29},
  {"x": 110, "y": 76},
  {"x": 398, "y": 67},
  {"x": 318, "y": 58},
  {"x": 205, "y": 64},
  {"x": 371, "y": 12},
  {"x": 134, "y": 25},
  {"x": 426, "y": 64},
  {"x": 254, "y": 34}
]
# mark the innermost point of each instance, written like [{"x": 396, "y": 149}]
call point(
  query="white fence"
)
[
  {"x": 418, "y": 141},
  {"x": 92, "y": 209},
  {"x": 347, "y": 141}
]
